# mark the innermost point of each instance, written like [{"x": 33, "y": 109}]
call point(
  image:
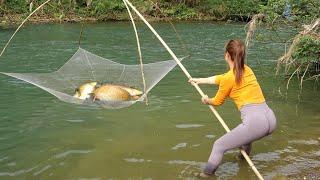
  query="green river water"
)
[{"x": 44, "y": 138}]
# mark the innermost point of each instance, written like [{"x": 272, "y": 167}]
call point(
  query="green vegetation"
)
[
  {"x": 307, "y": 57},
  {"x": 308, "y": 50},
  {"x": 303, "y": 56},
  {"x": 115, "y": 9},
  {"x": 301, "y": 11},
  {"x": 240, "y": 10}
]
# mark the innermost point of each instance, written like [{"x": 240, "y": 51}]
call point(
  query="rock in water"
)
[
  {"x": 111, "y": 93},
  {"x": 84, "y": 91}
]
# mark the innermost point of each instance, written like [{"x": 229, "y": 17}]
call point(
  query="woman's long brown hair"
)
[{"x": 237, "y": 51}]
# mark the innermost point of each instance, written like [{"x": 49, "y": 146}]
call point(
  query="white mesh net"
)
[{"x": 84, "y": 67}]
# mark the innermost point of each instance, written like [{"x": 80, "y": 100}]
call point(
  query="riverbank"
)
[
  {"x": 13, "y": 12},
  {"x": 13, "y": 20}
]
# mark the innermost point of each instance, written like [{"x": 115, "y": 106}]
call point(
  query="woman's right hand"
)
[
  {"x": 206, "y": 100},
  {"x": 194, "y": 80},
  {"x": 208, "y": 80}
]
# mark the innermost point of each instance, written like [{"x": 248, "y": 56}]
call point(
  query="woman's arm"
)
[
  {"x": 208, "y": 80},
  {"x": 225, "y": 87}
]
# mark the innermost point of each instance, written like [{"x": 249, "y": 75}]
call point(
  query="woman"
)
[{"x": 241, "y": 85}]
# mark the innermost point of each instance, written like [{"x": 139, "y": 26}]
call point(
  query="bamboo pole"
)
[
  {"x": 22, "y": 25},
  {"x": 173, "y": 27},
  {"x": 80, "y": 35},
  {"x": 139, "y": 51},
  {"x": 195, "y": 85}
]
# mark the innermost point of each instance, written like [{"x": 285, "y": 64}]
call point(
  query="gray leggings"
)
[{"x": 258, "y": 120}]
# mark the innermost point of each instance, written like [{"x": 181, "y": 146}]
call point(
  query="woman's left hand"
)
[{"x": 206, "y": 100}]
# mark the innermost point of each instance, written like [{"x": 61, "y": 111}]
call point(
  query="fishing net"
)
[{"x": 84, "y": 67}]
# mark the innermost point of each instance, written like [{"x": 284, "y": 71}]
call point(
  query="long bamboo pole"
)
[
  {"x": 194, "y": 84},
  {"x": 139, "y": 51},
  {"x": 25, "y": 20}
]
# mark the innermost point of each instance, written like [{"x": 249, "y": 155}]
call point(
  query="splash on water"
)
[
  {"x": 180, "y": 145},
  {"x": 135, "y": 160},
  {"x": 184, "y": 126}
]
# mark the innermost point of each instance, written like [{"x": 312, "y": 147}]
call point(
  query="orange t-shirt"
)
[{"x": 247, "y": 92}]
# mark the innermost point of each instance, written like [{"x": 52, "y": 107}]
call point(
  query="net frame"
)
[{"x": 84, "y": 67}]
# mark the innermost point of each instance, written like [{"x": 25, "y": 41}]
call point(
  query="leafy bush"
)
[
  {"x": 17, "y": 6},
  {"x": 301, "y": 10},
  {"x": 180, "y": 11},
  {"x": 303, "y": 57},
  {"x": 307, "y": 50},
  {"x": 273, "y": 9},
  {"x": 105, "y": 6},
  {"x": 224, "y": 9}
]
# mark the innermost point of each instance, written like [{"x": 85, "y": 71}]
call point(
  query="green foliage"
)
[
  {"x": 222, "y": 8},
  {"x": 105, "y": 6},
  {"x": 307, "y": 50},
  {"x": 144, "y": 6},
  {"x": 244, "y": 6},
  {"x": 180, "y": 11},
  {"x": 301, "y": 10},
  {"x": 273, "y": 9},
  {"x": 17, "y": 6},
  {"x": 306, "y": 10}
]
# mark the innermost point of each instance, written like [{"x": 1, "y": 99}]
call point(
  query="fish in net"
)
[{"x": 85, "y": 67}]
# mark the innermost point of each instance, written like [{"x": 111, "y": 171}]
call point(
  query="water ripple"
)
[
  {"x": 4, "y": 158},
  {"x": 192, "y": 163},
  {"x": 184, "y": 126},
  {"x": 227, "y": 169},
  {"x": 135, "y": 160},
  {"x": 269, "y": 156},
  {"x": 289, "y": 149},
  {"x": 210, "y": 136},
  {"x": 64, "y": 154},
  {"x": 16, "y": 173},
  {"x": 305, "y": 142},
  {"x": 42, "y": 170},
  {"x": 178, "y": 146},
  {"x": 75, "y": 120}
]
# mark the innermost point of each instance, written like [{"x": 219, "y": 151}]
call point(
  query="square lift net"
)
[{"x": 84, "y": 67}]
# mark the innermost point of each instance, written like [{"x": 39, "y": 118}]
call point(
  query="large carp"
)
[
  {"x": 84, "y": 91},
  {"x": 107, "y": 92},
  {"x": 111, "y": 93},
  {"x": 133, "y": 92}
]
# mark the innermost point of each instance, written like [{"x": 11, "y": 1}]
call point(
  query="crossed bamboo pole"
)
[
  {"x": 139, "y": 51},
  {"x": 245, "y": 155}
]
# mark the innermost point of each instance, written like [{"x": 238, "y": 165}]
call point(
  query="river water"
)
[{"x": 44, "y": 138}]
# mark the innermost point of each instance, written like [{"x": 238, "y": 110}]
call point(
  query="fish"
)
[
  {"x": 111, "y": 92},
  {"x": 85, "y": 91},
  {"x": 133, "y": 92}
]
